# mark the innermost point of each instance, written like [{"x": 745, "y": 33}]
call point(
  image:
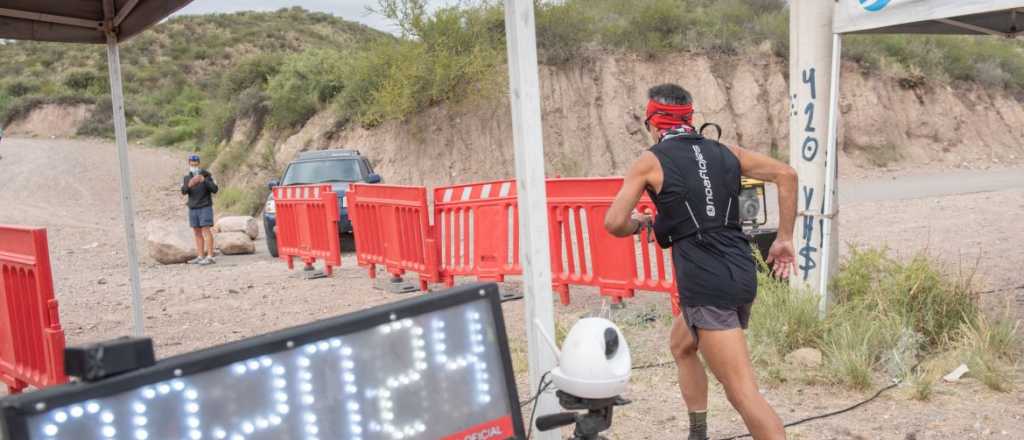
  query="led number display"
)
[{"x": 434, "y": 367}]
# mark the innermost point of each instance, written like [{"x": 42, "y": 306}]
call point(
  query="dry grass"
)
[{"x": 887, "y": 317}]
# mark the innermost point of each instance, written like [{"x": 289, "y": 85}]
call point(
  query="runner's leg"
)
[
  {"x": 726, "y": 354},
  {"x": 693, "y": 382}
]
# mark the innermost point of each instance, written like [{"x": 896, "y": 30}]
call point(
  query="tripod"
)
[{"x": 589, "y": 425}]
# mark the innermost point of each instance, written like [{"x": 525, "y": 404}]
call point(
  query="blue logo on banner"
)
[{"x": 874, "y": 5}]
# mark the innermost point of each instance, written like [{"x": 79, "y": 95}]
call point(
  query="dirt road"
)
[
  {"x": 71, "y": 188},
  {"x": 920, "y": 185}
]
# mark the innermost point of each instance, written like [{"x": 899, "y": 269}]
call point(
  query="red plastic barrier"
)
[
  {"x": 307, "y": 225},
  {"x": 584, "y": 253},
  {"x": 392, "y": 228},
  {"x": 31, "y": 339},
  {"x": 478, "y": 230}
]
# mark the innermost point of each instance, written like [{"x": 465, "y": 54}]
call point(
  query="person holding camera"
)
[
  {"x": 200, "y": 187},
  {"x": 695, "y": 184}
]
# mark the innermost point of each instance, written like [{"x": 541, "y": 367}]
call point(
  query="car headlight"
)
[{"x": 270, "y": 208}]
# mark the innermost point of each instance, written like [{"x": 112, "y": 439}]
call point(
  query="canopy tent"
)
[
  {"x": 1004, "y": 18},
  {"x": 96, "y": 21},
  {"x": 81, "y": 21}
]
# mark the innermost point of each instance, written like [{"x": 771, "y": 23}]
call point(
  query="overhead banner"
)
[{"x": 919, "y": 16}]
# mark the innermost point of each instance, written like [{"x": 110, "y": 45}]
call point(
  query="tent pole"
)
[
  {"x": 524, "y": 85},
  {"x": 121, "y": 134},
  {"x": 829, "y": 252}
]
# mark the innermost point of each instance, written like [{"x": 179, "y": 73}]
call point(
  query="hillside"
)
[
  {"x": 251, "y": 89},
  {"x": 184, "y": 80}
]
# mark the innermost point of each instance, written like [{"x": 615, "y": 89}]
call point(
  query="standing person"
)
[
  {"x": 200, "y": 187},
  {"x": 695, "y": 182}
]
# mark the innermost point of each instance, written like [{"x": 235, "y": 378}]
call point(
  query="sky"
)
[{"x": 354, "y": 10}]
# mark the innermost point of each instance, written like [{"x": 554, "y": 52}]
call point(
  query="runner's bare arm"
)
[
  {"x": 619, "y": 220},
  {"x": 760, "y": 166}
]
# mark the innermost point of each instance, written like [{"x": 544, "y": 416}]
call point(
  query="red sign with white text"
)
[{"x": 498, "y": 429}]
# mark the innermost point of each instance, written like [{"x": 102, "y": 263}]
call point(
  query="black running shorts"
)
[{"x": 716, "y": 318}]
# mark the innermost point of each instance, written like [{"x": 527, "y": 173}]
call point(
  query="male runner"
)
[{"x": 695, "y": 184}]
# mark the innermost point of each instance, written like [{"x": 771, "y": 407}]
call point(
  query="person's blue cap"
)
[{"x": 193, "y": 158}]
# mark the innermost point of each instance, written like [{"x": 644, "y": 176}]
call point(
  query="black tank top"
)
[{"x": 698, "y": 217}]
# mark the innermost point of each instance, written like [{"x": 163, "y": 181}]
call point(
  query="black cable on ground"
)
[
  {"x": 822, "y": 416},
  {"x": 657, "y": 365},
  {"x": 807, "y": 419},
  {"x": 535, "y": 396},
  {"x": 543, "y": 386}
]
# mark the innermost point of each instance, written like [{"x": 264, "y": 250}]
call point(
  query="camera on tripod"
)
[{"x": 593, "y": 371}]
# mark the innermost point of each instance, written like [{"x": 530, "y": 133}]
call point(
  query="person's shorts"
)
[
  {"x": 716, "y": 318},
  {"x": 200, "y": 217}
]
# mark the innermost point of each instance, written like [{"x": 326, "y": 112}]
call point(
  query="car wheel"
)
[
  {"x": 272, "y": 246},
  {"x": 271, "y": 240},
  {"x": 347, "y": 242}
]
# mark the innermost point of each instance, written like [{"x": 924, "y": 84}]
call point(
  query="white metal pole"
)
[
  {"x": 524, "y": 88},
  {"x": 809, "y": 83},
  {"x": 121, "y": 135},
  {"x": 830, "y": 251}
]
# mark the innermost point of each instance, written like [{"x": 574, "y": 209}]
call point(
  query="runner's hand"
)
[
  {"x": 645, "y": 219},
  {"x": 782, "y": 259}
]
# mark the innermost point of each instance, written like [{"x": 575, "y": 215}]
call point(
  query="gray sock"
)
[{"x": 698, "y": 425}]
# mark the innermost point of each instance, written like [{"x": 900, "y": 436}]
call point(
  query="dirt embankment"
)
[
  {"x": 593, "y": 123},
  {"x": 51, "y": 121}
]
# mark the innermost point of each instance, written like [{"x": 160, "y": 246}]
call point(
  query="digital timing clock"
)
[{"x": 433, "y": 367}]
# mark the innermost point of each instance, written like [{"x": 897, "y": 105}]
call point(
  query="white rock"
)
[
  {"x": 805, "y": 357},
  {"x": 956, "y": 374},
  {"x": 234, "y": 243},
  {"x": 170, "y": 243},
  {"x": 238, "y": 223}
]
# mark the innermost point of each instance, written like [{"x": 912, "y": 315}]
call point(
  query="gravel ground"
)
[{"x": 70, "y": 187}]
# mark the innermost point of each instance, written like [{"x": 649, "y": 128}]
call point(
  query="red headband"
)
[{"x": 669, "y": 116}]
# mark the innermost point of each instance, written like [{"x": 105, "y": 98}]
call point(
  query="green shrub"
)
[
  {"x": 916, "y": 291},
  {"x": 254, "y": 71},
  {"x": 5, "y": 102},
  {"x": 991, "y": 348},
  {"x": 100, "y": 122},
  {"x": 856, "y": 341},
  {"x": 19, "y": 87},
  {"x": 305, "y": 82},
  {"x": 218, "y": 121},
  {"x": 788, "y": 318},
  {"x": 886, "y": 317},
  {"x": 455, "y": 55},
  {"x": 87, "y": 81},
  {"x": 19, "y": 108},
  {"x": 234, "y": 200},
  {"x": 173, "y": 135},
  {"x": 140, "y": 132},
  {"x": 563, "y": 30},
  {"x": 231, "y": 157}
]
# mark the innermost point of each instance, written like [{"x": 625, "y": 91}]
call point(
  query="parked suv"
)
[{"x": 340, "y": 168}]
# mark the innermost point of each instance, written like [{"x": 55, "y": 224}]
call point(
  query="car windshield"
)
[{"x": 343, "y": 170}]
